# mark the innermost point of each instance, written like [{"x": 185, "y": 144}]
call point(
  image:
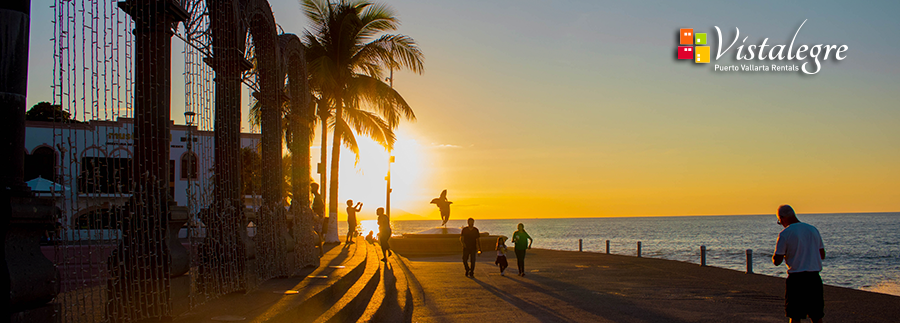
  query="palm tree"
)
[
  {"x": 347, "y": 53},
  {"x": 287, "y": 162}
]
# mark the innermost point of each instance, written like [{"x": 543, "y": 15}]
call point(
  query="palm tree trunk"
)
[
  {"x": 323, "y": 152},
  {"x": 332, "y": 236},
  {"x": 299, "y": 161}
]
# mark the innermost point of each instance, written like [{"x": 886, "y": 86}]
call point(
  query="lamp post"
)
[
  {"x": 189, "y": 120},
  {"x": 387, "y": 204}
]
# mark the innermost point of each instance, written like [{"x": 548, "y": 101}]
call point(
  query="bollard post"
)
[
  {"x": 579, "y": 245},
  {"x": 749, "y": 261},
  {"x": 702, "y": 255},
  {"x": 607, "y": 247},
  {"x": 639, "y": 249}
]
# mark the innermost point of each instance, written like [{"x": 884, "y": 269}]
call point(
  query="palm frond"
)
[
  {"x": 376, "y": 18},
  {"x": 371, "y": 125},
  {"x": 323, "y": 72},
  {"x": 348, "y": 139},
  {"x": 316, "y": 10},
  {"x": 381, "y": 97},
  {"x": 404, "y": 52},
  {"x": 392, "y": 51}
]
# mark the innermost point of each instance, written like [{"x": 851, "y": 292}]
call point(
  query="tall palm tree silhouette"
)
[{"x": 347, "y": 52}]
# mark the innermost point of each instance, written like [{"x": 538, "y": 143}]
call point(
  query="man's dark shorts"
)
[{"x": 803, "y": 296}]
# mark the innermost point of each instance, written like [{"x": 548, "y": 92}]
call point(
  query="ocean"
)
[{"x": 863, "y": 249}]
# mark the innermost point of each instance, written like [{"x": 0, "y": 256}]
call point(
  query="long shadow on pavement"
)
[
  {"x": 537, "y": 310},
  {"x": 340, "y": 257},
  {"x": 589, "y": 300}
]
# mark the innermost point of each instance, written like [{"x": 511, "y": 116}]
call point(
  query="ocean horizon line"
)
[{"x": 658, "y": 216}]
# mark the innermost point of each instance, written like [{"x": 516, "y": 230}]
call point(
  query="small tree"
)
[{"x": 44, "y": 111}]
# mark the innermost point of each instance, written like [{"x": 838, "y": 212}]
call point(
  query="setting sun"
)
[{"x": 364, "y": 181}]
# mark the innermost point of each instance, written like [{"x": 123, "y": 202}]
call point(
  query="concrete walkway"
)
[
  {"x": 565, "y": 286},
  {"x": 274, "y": 298}
]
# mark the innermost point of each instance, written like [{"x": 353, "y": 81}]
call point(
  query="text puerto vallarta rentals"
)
[{"x": 757, "y": 68}]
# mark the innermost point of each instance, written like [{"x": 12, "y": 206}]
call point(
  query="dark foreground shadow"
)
[
  {"x": 541, "y": 312},
  {"x": 609, "y": 306}
]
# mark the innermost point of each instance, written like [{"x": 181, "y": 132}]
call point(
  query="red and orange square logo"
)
[{"x": 700, "y": 54}]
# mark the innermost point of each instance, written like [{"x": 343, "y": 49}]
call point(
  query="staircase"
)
[{"x": 351, "y": 284}]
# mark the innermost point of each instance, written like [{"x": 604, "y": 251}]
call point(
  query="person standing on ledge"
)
[
  {"x": 351, "y": 220},
  {"x": 384, "y": 233},
  {"x": 471, "y": 242},
  {"x": 318, "y": 207},
  {"x": 520, "y": 238},
  {"x": 444, "y": 206},
  {"x": 800, "y": 246}
]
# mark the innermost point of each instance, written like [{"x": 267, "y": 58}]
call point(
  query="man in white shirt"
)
[{"x": 800, "y": 246}]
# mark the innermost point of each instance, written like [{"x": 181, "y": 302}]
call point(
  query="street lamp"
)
[
  {"x": 387, "y": 206},
  {"x": 387, "y": 203},
  {"x": 189, "y": 120}
]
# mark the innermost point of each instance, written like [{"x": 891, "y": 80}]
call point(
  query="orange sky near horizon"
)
[{"x": 529, "y": 184}]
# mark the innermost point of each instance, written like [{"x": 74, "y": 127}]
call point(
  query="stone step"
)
[
  {"x": 292, "y": 299},
  {"x": 353, "y": 303},
  {"x": 325, "y": 291},
  {"x": 377, "y": 303},
  {"x": 415, "y": 294},
  {"x": 404, "y": 289},
  {"x": 393, "y": 301}
]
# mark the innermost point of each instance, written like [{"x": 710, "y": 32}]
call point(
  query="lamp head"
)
[{"x": 189, "y": 117}]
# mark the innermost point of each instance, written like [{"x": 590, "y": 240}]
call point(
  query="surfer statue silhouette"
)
[{"x": 444, "y": 206}]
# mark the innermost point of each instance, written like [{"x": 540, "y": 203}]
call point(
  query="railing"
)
[{"x": 703, "y": 250}]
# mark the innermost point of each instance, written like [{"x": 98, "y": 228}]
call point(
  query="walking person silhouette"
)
[
  {"x": 501, "y": 254},
  {"x": 800, "y": 246},
  {"x": 521, "y": 239},
  {"x": 471, "y": 241}
]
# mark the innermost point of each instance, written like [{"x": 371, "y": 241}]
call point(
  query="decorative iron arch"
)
[
  {"x": 117, "y": 153},
  {"x": 300, "y": 116},
  {"x": 299, "y": 133},
  {"x": 261, "y": 25},
  {"x": 272, "y": 235},
  {"x": 93, "y": 148}
]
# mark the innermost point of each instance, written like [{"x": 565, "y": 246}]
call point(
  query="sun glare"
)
[
  {"x": 366, "y": 182},
  {"x": 366, "y": 226}
]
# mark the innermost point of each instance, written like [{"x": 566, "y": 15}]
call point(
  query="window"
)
[
  {"x": 105, "y": 175},
  {"x": 41, "y": 162},
  {"x": 189, "y": 166}
]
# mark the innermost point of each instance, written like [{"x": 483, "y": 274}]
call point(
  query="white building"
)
[{"x": 92, "y": 161}]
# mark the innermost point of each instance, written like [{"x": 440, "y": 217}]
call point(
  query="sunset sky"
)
[{"x": 578, "y": 109}]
